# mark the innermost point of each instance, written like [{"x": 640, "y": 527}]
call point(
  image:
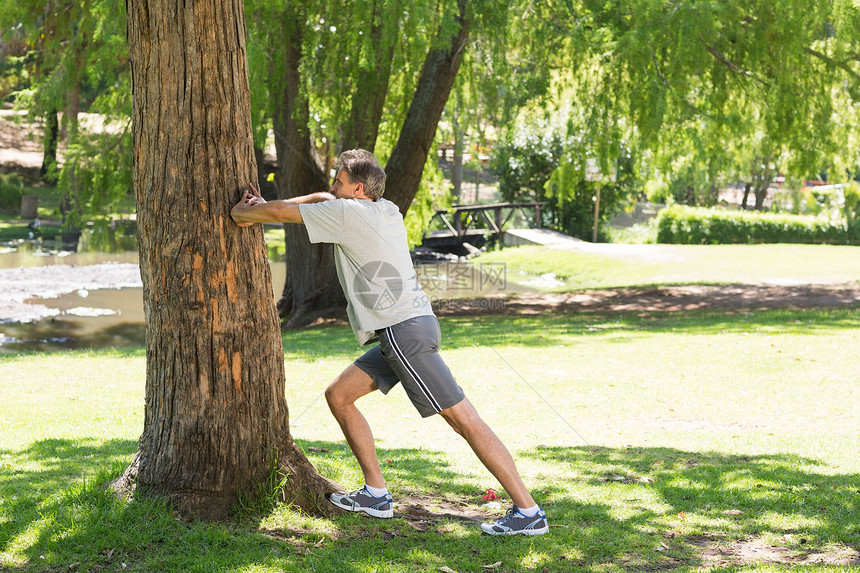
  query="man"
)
[{"x": 386, "y": 304}]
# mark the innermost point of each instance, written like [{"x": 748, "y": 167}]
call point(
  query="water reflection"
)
[
  {"x": 113, "y": 318},
  {"x": 29, "y": 254}
]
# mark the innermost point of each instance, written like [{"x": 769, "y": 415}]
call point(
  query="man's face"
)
[{"x": 342, "y": 188}]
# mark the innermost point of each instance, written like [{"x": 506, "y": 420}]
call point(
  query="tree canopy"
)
[{"x": 699, "y": 94}]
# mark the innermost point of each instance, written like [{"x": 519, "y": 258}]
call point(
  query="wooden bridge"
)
[{"x": 475, "y": 224}]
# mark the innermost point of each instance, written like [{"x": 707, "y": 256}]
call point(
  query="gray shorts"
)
[{"x": 408, "y": 352}]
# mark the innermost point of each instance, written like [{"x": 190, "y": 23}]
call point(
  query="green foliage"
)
[
  {"x": 432, "y": 194},
  {"x": 542, "y": 157},
  {"x": 102, "y": 236},
  {"x": 11, "y": 191},
  {"x": 851, "y": 201},
  {"x": 344, "y": 47},
  {"x": 686, "y": 225},
  {"x": 75, "y": 59},
  {"x": 709, "y": 93},
  {"x": 97, "y": 176},
  {"x": 265, "y": 493}
]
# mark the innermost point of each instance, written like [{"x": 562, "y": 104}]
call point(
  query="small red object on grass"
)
[{"x": 490, "y": 495}]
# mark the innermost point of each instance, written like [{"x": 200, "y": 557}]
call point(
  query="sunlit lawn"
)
[
  {"x": 612, "y": 265},
  {"x": 645, "y": 438}
]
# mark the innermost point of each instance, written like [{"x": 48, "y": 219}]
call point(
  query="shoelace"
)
[{"x": 508, "y": 516}]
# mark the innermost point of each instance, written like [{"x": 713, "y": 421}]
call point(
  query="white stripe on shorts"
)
[{"x": 421, "y": 384}]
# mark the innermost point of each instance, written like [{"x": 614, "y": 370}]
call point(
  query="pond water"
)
[{"x": 74, "y": 315}]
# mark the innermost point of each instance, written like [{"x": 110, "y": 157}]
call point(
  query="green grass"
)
[
  {"x": 614, "y": 265},
  {"x": 659, "y": 426}
]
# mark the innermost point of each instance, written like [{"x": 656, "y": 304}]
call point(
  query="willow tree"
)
[
  {"x": 353, "y": 74},
  {"x": 748, "y": 89},
  {"x": 216, "y": 420}
]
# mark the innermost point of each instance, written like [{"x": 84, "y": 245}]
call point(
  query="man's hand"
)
[{"x": 249, "y": 199}]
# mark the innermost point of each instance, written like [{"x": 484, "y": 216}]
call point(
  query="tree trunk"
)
[
  {"x": 747, "y": 188},
  {"x": 457, "y": 166},
  {"x": 368, "y": 102},
  {"x": 216, "y": 413},
  {"x": 406, "y": 164},
  {"x": 49, "y": 146},
  {"x": 311, "y": 289},
  {"x": 763, "y": 182}
]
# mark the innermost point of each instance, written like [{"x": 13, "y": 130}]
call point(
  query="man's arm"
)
[{"x": 254, "y": 209}]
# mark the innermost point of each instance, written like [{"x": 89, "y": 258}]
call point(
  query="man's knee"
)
[
  {"x": 349, "y": 386},
  {"x": 462, "y": 417},
  {"x": 334, "y": 396}
]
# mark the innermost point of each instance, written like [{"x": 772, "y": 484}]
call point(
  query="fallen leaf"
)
[
  {"x": 316, "y": 449},
  {"x": 493, "y": 566},
  {"x": 733, "y": 512},
  {"x": 446, "y": 569}
]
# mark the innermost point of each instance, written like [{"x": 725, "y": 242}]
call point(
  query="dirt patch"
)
[
  {"x": 19, "y": 285},
  {"x": 667, "y": 298},
  {"x": 754, "y": 550},
  {"x": 20, "y": 142},
  {"x": 424, "y": 513}
]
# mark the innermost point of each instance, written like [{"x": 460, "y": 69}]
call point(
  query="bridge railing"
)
[{"x": 461, "y": 219}]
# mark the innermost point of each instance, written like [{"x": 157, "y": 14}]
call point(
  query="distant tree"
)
[
  {"x": 747, "y": 89},
  {"x": 353, "y": 74},
  {"x": 695, "y": 95},
  {"x": 76, "y": 58}
]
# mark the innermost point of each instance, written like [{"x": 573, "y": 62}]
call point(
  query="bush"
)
[
  {"x": 686, "y": 225},
  {"x": 11, "y": 191}
]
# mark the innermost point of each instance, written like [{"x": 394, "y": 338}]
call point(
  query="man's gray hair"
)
[{"x": 361, "y": 166}]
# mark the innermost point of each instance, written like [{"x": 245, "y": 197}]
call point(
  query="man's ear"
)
[{"x": 359, "y": 190}]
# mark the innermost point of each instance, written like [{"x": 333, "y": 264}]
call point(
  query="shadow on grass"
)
[
  {"x": 539, "y": 331},
  {"x": 560, "y": 328},
  {"x": 630, "y": 509},
  {"x": 35, "y": 481},
  {"x": 49, "y": 335}
]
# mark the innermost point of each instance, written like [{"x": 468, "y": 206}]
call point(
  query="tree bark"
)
[
  {"x": 311, "y": 289},
  {"x": 216, "y": 413},
  {"x": 763, "y": 181},
  {"x": 747, "y": 188},
  {"x": 457, "y": 164},
  {"x": 406, "y": 164},
  {"x": 49, "y": 146}
]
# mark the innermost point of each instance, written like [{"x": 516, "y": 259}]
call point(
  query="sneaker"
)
[
  {"x": 361, "y": 500},
  {"x": 515, "y": 523}
]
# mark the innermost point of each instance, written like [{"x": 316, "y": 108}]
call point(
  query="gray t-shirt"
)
[{"x": 372, "y": 259}]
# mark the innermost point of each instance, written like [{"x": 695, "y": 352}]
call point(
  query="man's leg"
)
[
  {"x": 349, "y": 386},
  {"x": 489, "y": 449}
]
